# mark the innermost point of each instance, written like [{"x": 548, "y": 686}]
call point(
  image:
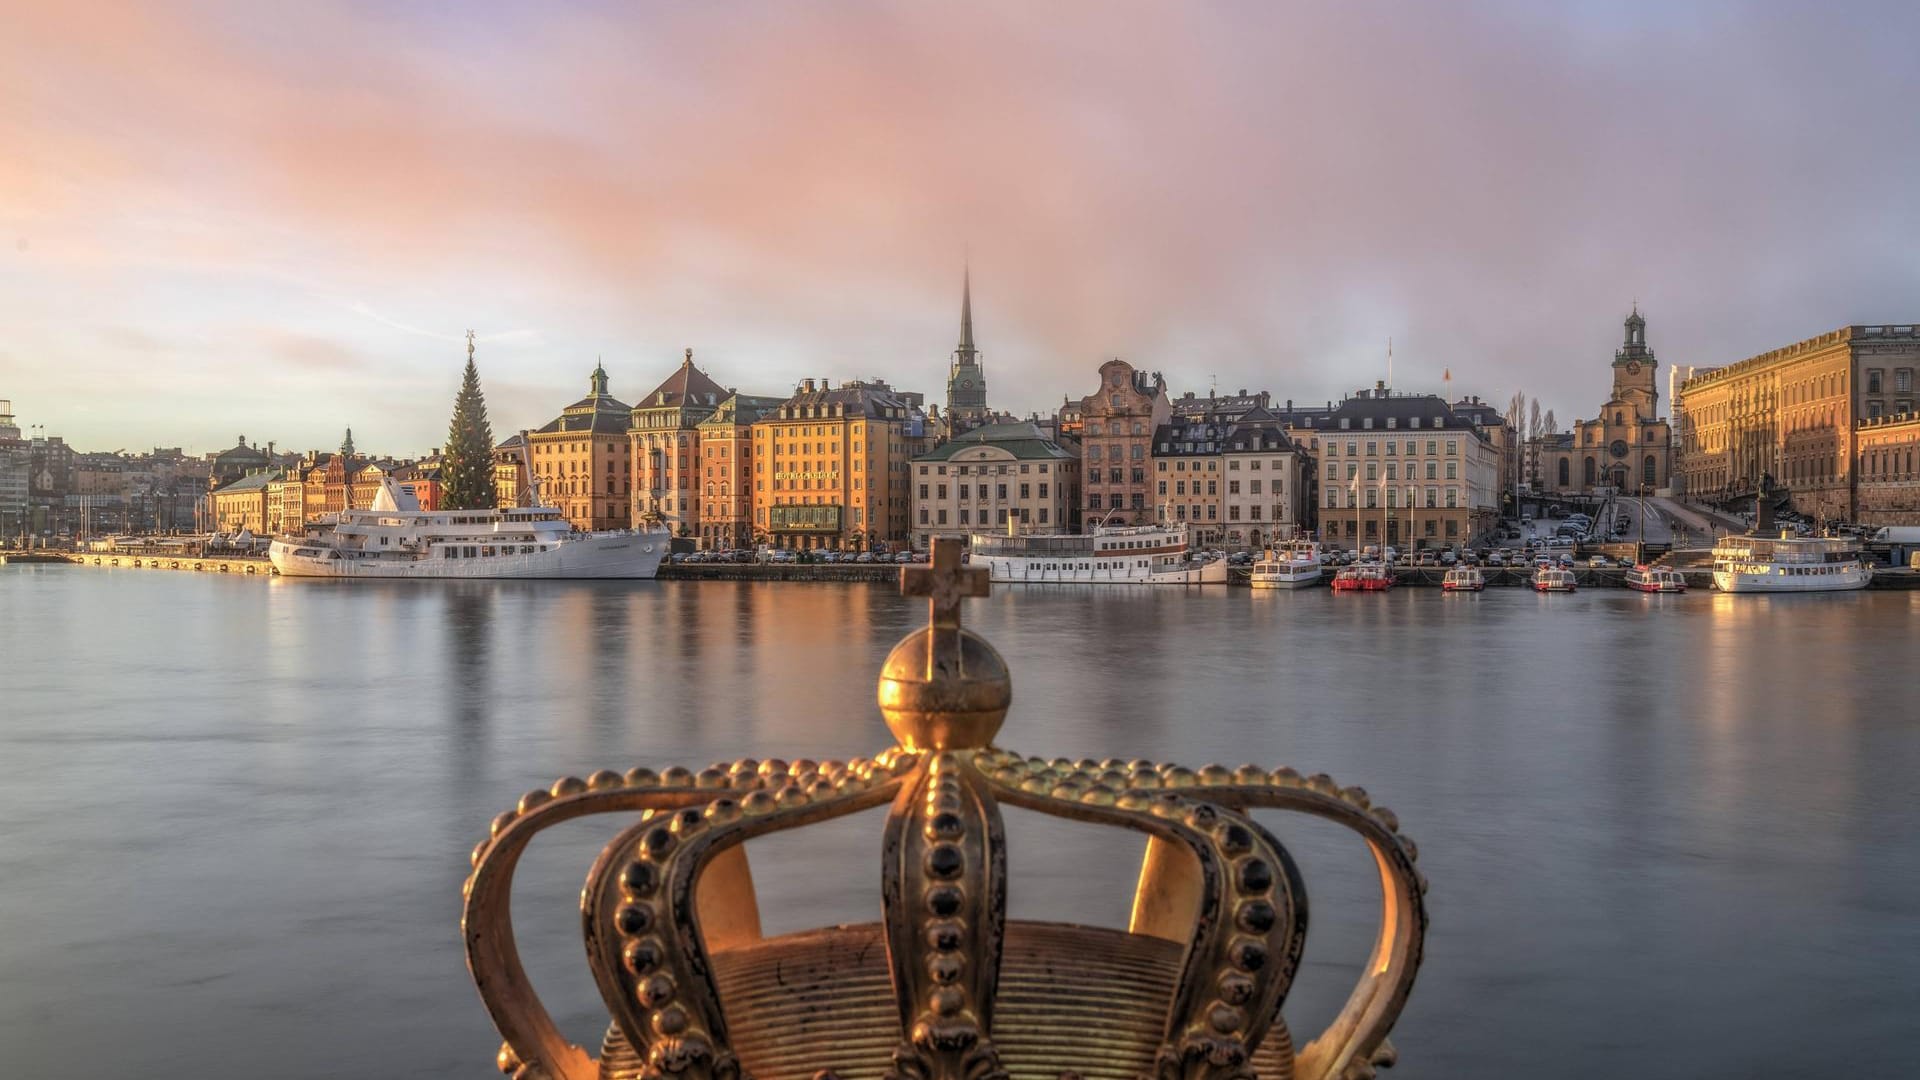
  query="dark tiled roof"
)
[
  {"x": 600, "y": 414},
  {"x": 1024, "y": 440},
  {"x": 254, "y": 481},
  {"x": 688, "y": 385}
]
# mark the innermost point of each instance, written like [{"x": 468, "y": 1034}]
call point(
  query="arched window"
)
[
  {"x": 1566, "y": 472},
  {"x": 1650, "y": 471},
  {"x": 1587, "y": 474}
]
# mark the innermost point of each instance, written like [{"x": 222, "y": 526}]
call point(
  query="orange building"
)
[
  {"x": 1117, "y": 425},
  {"x": 581, "y": 460},
  {"x": 725, "y": 442},
  {"x": 511, "y": 482},
  {"x": 830, "y": 466}
]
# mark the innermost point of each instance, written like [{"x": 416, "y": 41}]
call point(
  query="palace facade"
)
[
  {"x": 1406, "y": 470},
  {"x": 830, "y": 465},
  {"x": 582, "y": 462},
  {"x": 992, "y": 477},
  {"x": 1796, "y": 414}
]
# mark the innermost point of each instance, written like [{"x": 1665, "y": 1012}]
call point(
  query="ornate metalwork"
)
[{"x": 1192, "y": 990}]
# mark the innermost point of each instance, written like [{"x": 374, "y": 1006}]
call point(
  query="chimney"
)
[{"x": 807, "y": 386}]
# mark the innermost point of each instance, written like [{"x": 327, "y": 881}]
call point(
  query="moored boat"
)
[
  {"x": 1463, "y": 579},
  {"x": 1294, "y": 566},
  {"x": 1656, "y": 579},
  {"x": 1110, "y": 555},
  {"x": 1553, "y": 579},
  {"x": 396, "y": 539},
  {"x": 1789, "y": 564},
  {"x": 1363, "y": 577}
]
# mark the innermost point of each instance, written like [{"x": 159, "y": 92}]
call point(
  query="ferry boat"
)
[
  {"x": 1363, "y": 577},
  {"x": 1553, "y": 579},
  {"x": 1662, "y": 579},
  {"x": 1789, "y": 564},
  {"x": 396, "y": 539},
  {"x": 1463, "y": 579},
  {"x": 1110, "y": 555},
  {"x": 1295, "y": 566}
]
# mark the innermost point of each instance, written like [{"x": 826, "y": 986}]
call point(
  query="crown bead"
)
[
  {"x": 633, "y": 919},
  {"x": 500, "y": 821},
  {"x": 1234, "y": 838},
  {"x": 639, "y": 879},
  {"x": 1215, "y": 775},
  {"x": 642, "y": 956},
  {"x": 533, "y": 799},
  {"x": 1286, "y": 776},
  {"x": 758, "y": 802},
  {"x": 1255, "y": 916},
  {"x": 671, "y": 1020},
  {"x": 506, "y": 1060},
  {"x": 1323, "y": 784},
  {"x": 603, "y": 780},
  {"x": 1235, "y": 988},
  {"x": 642, "y": 777},
  {"x": 1256, "y": 876},
  {"x": 479, "y": 850},
  {"x": 567, "y": 785},
  {"x": 1357, "y": 796},
  {"x": 1413, "y": 850},
  {"x": 676, "y": 776},
  {"x": 1226, "y": 1019},
  {"x": 1178, "y": 777},
  {"x": 792, "y": 795},
  {"x": 945, "y": 900},
  {"x": 657, "y": 842}
]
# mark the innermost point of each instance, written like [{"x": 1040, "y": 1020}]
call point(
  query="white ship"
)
[
  {"x": 397, "y": 539},
  {"x": 1293, "y": 567},
  {"x": 1137, "y": 555},
  {"x": 1788, "y": 564}
]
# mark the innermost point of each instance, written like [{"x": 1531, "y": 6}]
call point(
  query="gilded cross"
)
[{"x": 944, "y": 582}]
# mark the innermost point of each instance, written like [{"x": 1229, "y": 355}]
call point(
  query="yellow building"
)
[
  {"x": 242, "y": 504},
  {"x": 1793, "y": 414},
  {"x": 1889, "y": 470},
  {"x": 511, "y": 483},
  {"x": 581, "y": 460},
  {"x": 725, "y": 441},
  {"x": 992, "y": 475},
  {"x": 830, "y": 466}
]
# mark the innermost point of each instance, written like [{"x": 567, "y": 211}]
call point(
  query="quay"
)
[{"x": 1612, "y": 577}]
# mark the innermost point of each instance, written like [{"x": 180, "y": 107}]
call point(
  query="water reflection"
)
[{"x": 1663, "y": 816}]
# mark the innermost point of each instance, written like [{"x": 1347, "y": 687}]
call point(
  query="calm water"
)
[{"x": 1669, "y": 836}]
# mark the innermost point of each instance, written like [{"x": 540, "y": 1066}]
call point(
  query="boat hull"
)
[
  {"x": 623, "y": 556},
  {"x": 1287, "y": 579},
  {"x": 1855, "y": 577},
  {"x": 1022, "y": 572},
  {"x": 1655, "y": 587},
  {"x": 1362, "y": 584}
]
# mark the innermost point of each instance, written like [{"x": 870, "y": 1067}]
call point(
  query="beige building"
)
[
  {"x": 1889, "y": 470},
  {"x": 512, "y": 485},
  {"x": 1263, "y": 477},
  {"x": 830, "y": 466},
  {"x": 242, "y": 504},
  {"x": 582, "y": 461},
  {"x": 992, "y": 476},
  {"x": 1794, "y": 414},
  {"x": 1403, "y": 469},
  {"x": 1628, "y": 446},
  {"x": 665, "y": 440},
  {"x": 1188, "y": 482},
  {"x": 1118, "y": 422}
]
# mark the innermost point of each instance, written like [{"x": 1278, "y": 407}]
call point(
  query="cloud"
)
[{"x": 1256, "y": 193}]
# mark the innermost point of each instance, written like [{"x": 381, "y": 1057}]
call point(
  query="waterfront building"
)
[
  {"x": 1627, "y": 447},
  {"x": 1263, "y": 476},
  {"x": 1795, "y": 414},
  {"x": 97, "y": 497},
  {"x": 830, "y": 465},
  {"x": 15, "y": 464},
  {"x": 992, "y": 476},
  {"x": 1889, "y": 469},
  {"x": 583, "y": 460},
  {"x": 422, "y": 480},
  {"x": 241, "y": 505},
  {"x": 725, "y": 444},
  {"x": 1505, "y": 440},
  {"x": 1118, "y": 421},
  {"x": 286, "y": 499},
  {"x": 329, "y": 486},
  {"x": 49, "y": 479},
  {"x": 512, "y": 483},
  {"x": 665, "y": 448},
  {"x": 1187, "y": 483},
  {"x": 1403, "y": 469},
  {"x": 966, "y": 378}
]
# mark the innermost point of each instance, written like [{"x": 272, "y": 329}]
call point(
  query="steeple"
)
[
  {"x": 346, "y": 445},
  {"x": 598, "y": 380},
  {"x": 966, "y": 351}
]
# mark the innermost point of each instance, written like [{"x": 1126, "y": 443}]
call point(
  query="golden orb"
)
[{"x": 944, "y": 688}]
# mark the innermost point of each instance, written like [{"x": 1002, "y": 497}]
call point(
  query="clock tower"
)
[
  {"x": 1633, "y": 366},
  {"x": 966, "y": 379}
]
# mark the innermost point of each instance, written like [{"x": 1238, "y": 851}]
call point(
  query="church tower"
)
[
  {"x": 1633, "y": 368},
  {"x": 966, "y": 380}
]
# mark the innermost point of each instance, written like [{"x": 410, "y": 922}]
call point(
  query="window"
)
[
  {"x": 1903, "y": 381},
  {"x": 1453, "y": 470},
  {"x": 1873, "y": 381}
]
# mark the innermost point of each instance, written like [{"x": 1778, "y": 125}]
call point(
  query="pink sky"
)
[{"x": 278, "y": 219}]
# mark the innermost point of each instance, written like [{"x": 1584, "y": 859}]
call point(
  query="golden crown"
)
[{"x": 944, "y": 986}]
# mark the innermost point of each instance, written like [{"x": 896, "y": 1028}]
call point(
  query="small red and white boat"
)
[
  {"x": 1553, "y": 579},
  {"x": 1463, "y": 579},
  {"x": 1656, "y": 579},
  {"x": 1363, "y": 577}
]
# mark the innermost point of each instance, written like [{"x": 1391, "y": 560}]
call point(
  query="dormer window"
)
[
  {"x": 1393, "y": 421},
  {"x": 1344, "y": 423},
  {"x": 1416, "y": 422},
  {"x": 1367, "y": 422}
]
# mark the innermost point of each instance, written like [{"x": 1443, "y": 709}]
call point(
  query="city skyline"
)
[{"x": 282, "y": 222}]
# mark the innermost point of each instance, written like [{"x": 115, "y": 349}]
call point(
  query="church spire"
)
[
  {"x": 346, "y": 445},
  {"x": 966, "y": 350}
]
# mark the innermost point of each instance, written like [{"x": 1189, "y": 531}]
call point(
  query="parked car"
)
[
  {"x": 1599, "y": 562},
  {"x": 1427, "y": 558},
  {"x": 903, "y": 557}
]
